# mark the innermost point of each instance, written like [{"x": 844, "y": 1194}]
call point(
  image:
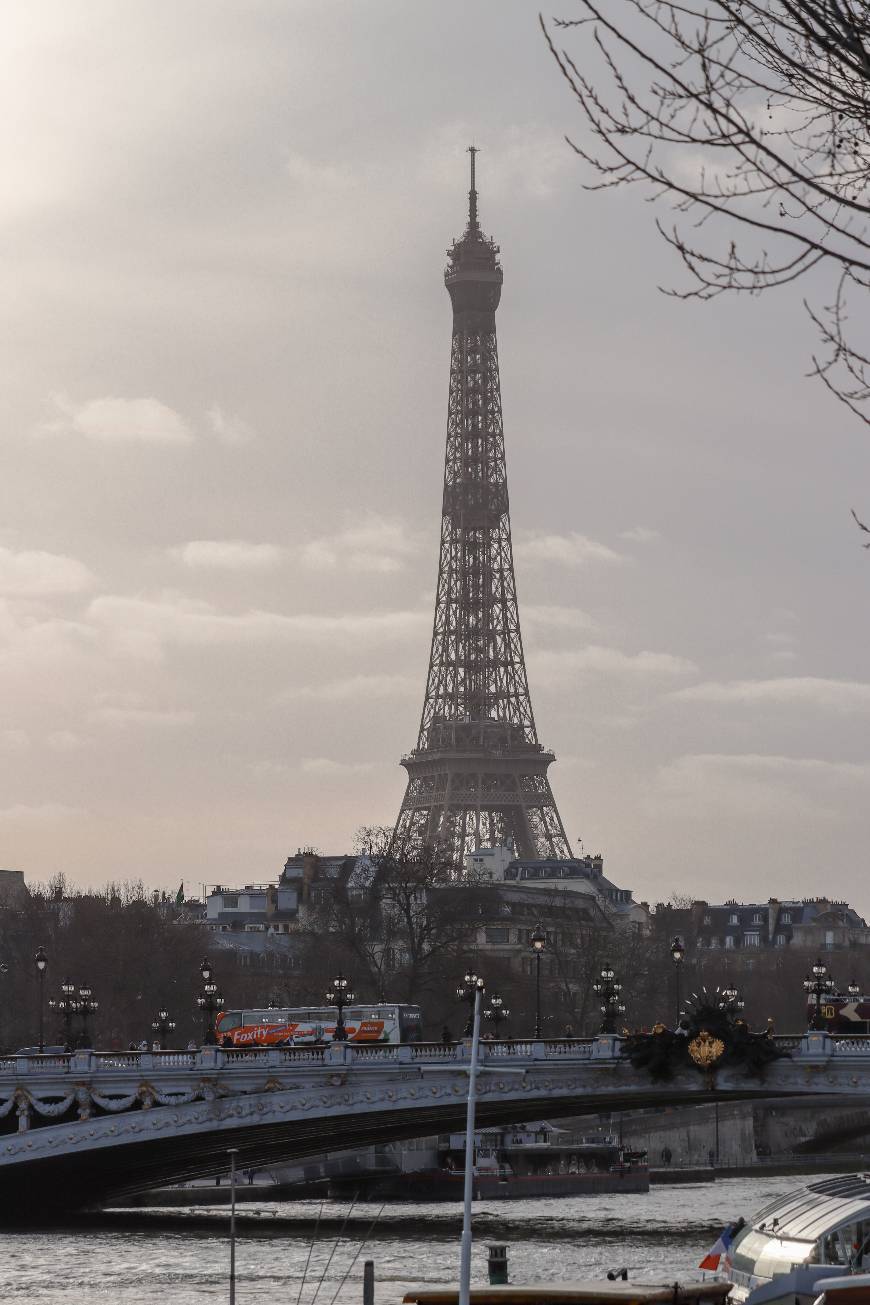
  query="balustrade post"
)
[
  {"x": 606, "y": 1047},
  {"x": 405, "y": 1053},
  {"x": 538, "y": 1051},
  {"x": 815, "y": 1045}
]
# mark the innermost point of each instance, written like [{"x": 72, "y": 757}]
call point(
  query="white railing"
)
[
  {"x": 852, "y": 1046},
  {"x": 599, "y": 1050},
  {"x": 375, "y": 1053},
  {"x": 433, "y": 1051},
  {"x": 574, "y": 1048}
]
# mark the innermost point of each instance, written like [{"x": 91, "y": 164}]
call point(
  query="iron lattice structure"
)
[{"x": 478, "y": 775}]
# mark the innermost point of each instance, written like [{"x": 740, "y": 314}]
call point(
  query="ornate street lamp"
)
[
  {"x": 163, "y": 1026},
  {"x": 340, "y": 995},
  {"x": 67, "y": 1006},
  {"x": 678, "y": 952},
  {"x": 40, "y": 960},
  {"x": 209, "y": 1002},
  {"x": 87, "y": 1008},
  {"x": 496, "y": 1012},
  {"x": 608, "y": 989},
  {"x": 538, "y": 941},
  {"x": 467, "y": 991},
  {"x": 730, "y": 1000},
  {"x": 4, "y": 970},
  {"x": 817, "y": 987}
]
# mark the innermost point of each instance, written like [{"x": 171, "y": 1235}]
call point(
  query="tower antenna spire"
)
[{"x": 472, "y": 194}]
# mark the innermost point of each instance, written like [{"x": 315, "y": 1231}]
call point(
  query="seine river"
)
[{"x": 181, "y": 1257}]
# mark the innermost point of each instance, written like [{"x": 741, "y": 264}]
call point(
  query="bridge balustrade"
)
[{"x": 811, "y": 1045}]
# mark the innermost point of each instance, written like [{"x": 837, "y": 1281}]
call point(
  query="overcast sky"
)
[{"x": 225, "y": 355}]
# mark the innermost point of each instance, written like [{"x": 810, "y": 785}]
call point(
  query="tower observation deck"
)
[{"x": 478, "y": 775}]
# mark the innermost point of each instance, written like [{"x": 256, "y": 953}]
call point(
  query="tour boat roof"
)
[
  {"x": 587, "y": 1292},
  {"x": 817, "y": 1208}
]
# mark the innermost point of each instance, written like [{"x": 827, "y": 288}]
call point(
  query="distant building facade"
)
[
  {"x": 584, "y": 875},
  {"x": 812, "y": 924}
]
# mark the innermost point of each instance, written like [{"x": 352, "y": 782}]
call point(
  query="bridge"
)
[{"x": 92, "y": 1128}]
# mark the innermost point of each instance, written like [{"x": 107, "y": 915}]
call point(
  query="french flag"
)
[{"x": 720, "y": 1247}]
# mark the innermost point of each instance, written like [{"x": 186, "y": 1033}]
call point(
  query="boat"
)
[
  {"x": 854, "y": 1290},
  {"x": 512, "y": 1163},
  {"x": 799, "y": 1244},
  {"x": 604, "y": 1291}
]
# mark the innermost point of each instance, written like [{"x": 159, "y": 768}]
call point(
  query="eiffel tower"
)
[{"x": 478, "y": 775}]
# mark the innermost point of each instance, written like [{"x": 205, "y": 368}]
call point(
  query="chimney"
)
[{"x": 309, "y": 874}]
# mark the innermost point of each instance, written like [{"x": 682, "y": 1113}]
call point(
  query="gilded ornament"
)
[{"x": 706, "y": 1050}]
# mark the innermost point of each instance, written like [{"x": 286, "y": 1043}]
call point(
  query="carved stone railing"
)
[{"x": 811, "y": 1046}]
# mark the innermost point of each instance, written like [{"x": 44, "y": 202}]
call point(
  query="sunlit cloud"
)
[
  {"x": 228, "y": 555},
  {"x": 570, "y": 550},
  {"x": 113, "y": 420},
  {"x": 373, "y": 544},
  {"x": 228, "y": 429},
  {"x": 30, "y": 574},
  {"x": 327, "y": 766}
]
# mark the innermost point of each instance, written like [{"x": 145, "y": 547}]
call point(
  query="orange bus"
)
[{"x": 305, "y": 1026}]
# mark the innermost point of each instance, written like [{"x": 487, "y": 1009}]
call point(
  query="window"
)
[
  {"x": 713, "y": 941},
  {"x": 498, "y": 935},
  {"x": 752, "y": 940},
  {"x": 758, "y": 918},
  {"x": 733, "y": 918},
  {"x": 780, "y": 940},
  {"x": 786, "y": 917},
  {"x": 729, "y": 940},
  {"x": 708, "y": 919}
]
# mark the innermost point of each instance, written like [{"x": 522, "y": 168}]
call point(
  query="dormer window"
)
[
  {"x": 786, "y": 917},
  {"x": 733, "y": 918}
]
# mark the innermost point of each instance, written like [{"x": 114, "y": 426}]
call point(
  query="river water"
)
[{"x": 181, "y": 1256}]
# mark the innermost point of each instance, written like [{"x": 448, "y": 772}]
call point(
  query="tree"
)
[
  {"x": 402, "y": 917},
  {"x": 751, "y": 116}
]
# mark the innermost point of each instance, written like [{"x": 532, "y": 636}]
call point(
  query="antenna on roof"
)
[{"x": 472, "y": 194}]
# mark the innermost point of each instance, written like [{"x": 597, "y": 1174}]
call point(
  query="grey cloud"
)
[{"x": 805, "y": 690}]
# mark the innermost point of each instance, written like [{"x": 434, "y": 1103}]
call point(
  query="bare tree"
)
[
  {"x": 403, "y": 915},
  {"x": 751, "y": 116}
]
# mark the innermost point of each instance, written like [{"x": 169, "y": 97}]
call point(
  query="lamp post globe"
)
[
  {"x": 538, "y": 942},
  {"x": 816, "y": 987},
  {"x": 209, "y": 1002},
  {"x": 678, "y": 953},
  {"x": 471, "y": 984},
  {"x": 340, "y": 995},
  {"x": 608, "y": 989},
  {"x": 40, "y": 960},
  {"x": 496, "y": 1012},
  {"x": 87, "y": 1007},
  {"x": 163, "y": 1026}
]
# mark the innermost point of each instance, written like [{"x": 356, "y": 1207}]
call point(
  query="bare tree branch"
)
[{"x": 752, "y": 117}]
